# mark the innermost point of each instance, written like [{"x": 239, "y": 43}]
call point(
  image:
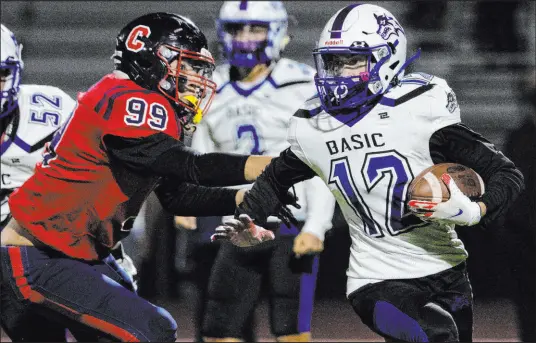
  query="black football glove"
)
[{"x": 259, "y": 211}]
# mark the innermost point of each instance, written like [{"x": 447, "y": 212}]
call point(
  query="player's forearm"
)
[
  {"x": 320, "y": 207},
  {"x": 185, "y": 199},
  {"x": 163, "y": 155}
]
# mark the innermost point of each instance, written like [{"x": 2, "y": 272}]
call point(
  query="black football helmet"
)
[{"x": 148, "y": 46}]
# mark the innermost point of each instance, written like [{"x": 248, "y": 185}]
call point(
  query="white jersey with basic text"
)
[
  {"x": 254, "y": 118},
  {"x": 42, "y": 110},
  {"x": 369, "y": 163}
]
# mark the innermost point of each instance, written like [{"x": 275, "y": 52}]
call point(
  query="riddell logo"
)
[{"x": 333, "y": 42}]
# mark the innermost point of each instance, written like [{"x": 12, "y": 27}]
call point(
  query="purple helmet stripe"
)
[
  {"x": 339, "y": 20},
  {"x": 243, "y": 5}
]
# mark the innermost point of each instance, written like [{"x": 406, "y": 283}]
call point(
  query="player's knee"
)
[
  {"x": 161, "y": 326},
  {"x": 300, "y": 337},
  {"x": 439, "y": 326}
]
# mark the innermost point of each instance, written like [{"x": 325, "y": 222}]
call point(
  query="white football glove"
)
[
  {"x": 458, "y": 210},
  {"x": 242, "y": 232}
]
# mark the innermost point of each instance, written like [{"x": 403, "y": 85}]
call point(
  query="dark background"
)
[{"x": 486, "y": 52}]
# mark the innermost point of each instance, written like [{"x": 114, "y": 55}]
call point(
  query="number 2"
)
[{"x": 244, "y": 130}]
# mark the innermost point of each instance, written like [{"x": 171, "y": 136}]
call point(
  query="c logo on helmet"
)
[{"x": 133, "y": 44}]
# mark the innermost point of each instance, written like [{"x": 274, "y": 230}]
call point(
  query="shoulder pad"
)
[
  {"x": 418, "y": 78},
  {"x": 289, "y": 72},
  {"x": 426, "y": 86},
  {"x": 413, "y": 86},
  {"x": 443, "y": 96},
  {"x": 426, "y": 95}
]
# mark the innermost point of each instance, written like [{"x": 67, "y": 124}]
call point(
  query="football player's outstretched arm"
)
[
  {"x": 187, "y": 199},
  {"x": 160, "y": 154}
]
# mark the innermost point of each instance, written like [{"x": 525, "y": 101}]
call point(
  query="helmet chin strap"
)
[{"x": 404, "y": 66}]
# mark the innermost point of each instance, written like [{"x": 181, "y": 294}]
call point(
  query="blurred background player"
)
[
  {"x": 370, "y": 131},
  {"x": 258, "y": 91},
  {"x": 121, "y": 142}
]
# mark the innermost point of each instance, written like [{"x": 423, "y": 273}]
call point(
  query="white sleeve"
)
[
  {"x": 202, "y": 139},
  {"x": 292, "y": 139},
  {"x": 320, "y": 207}
]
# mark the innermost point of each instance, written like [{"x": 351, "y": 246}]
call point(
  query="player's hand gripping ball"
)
[{"x": 445, "y": 192}]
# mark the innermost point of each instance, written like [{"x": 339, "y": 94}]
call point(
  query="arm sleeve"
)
[
  {"x": 163, "y": 155},
  {"x": 320, "y": 207},
  {"x": 268, "y": 190},
  {"x": 186, "y": 199},
  {"x": 504, "y": 182}
]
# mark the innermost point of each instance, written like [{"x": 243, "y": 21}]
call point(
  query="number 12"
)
[{"x": 387, "y": 166}]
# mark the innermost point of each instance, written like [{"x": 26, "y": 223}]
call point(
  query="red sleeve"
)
[{"x": 138, "y": 113}]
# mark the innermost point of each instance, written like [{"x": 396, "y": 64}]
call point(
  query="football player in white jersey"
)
[
  {"x": 30, "y": 116},
  {"x": 258, "y": 92},
  {"x": 370, "y": 131}
]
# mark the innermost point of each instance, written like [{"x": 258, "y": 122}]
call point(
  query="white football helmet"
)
[
  {"x": 371, "y": 32},
  {"x": 11, "y": 66},
  {"x": 248, "y": 54}
]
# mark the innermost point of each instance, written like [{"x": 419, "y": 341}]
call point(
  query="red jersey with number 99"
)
[{"x": 73, "y": 201}]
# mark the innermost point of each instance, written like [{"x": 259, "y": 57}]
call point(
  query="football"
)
[{"x": 428, "y": 186}]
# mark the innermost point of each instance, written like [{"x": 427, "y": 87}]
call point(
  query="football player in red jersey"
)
[{"x": 121, "y": 142}]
